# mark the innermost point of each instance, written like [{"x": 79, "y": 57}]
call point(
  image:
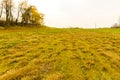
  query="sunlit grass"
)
[{"x": 59, "y": 54}]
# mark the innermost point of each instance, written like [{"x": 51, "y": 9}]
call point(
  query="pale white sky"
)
[{"x": 80, "y": 13}]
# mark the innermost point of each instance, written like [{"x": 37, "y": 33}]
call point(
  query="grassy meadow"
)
[{"x": 59, "y": 54}]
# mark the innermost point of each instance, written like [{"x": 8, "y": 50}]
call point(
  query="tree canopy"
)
[
  {"x": 32, "y": 16},
  {"x": 24, "y": 14}
]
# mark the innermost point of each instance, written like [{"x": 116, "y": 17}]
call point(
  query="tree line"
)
[{"x": 22, "y": 14}]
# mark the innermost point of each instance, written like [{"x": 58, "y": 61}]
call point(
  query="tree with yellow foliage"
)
[{"x": 32, "y": 16}]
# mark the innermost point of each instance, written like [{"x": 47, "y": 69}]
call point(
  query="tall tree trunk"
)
[{"x": 1, "y": 12}]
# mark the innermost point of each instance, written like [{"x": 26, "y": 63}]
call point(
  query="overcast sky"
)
[{"x": 79, "y": 13}]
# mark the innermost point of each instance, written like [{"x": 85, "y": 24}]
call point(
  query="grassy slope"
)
[{"x": 59, "y": 54}]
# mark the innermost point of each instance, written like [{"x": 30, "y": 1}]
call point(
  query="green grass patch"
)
[{"x": 59, "y": 54}]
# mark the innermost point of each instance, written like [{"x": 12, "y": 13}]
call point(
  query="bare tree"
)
[
  {"x": 21, "y": 9},
  {"x": 8, "y": 6},
  {"x": 1, "y": 10}
]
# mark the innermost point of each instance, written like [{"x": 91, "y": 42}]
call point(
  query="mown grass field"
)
[{"x": 59, "y": 54}]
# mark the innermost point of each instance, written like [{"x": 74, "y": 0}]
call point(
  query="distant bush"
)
[
  {"x": 2, "y": 23},
  {"x": 115, "y": 26}
]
